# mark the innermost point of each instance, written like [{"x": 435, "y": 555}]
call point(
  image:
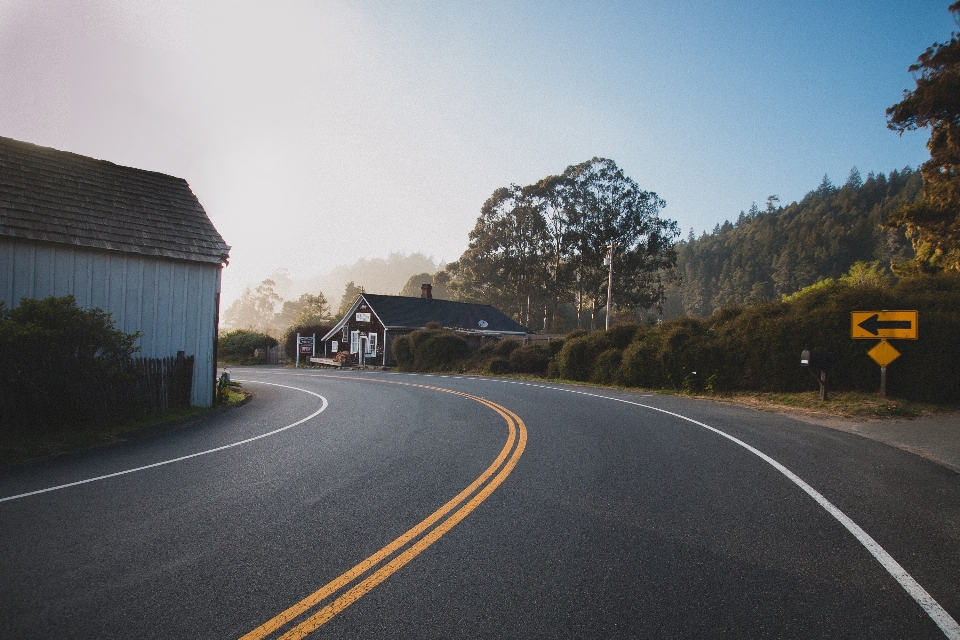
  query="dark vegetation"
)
[
  {"x": 777, "y": 251},
  {"x": 430, "y": 349},
  {"x": 238, "y": 346},
  {"x": 753, "y": 348},
  {"x": 66, "y": 372}
]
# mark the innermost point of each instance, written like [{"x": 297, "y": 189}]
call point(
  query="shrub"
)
[
  {"x": 605, "y": 366},
  {"x": 60, "y": 365},
  {"x": 430, "y": 349},
  {"x": 530, "y": 358},
  {"x": 238, "y": 346},
  {"x": 499, "y": 366}
]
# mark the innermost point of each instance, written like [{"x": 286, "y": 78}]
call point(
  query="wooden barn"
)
[
  {"x": 371, "y": 325},
  {"x": 134, "y": 243}
]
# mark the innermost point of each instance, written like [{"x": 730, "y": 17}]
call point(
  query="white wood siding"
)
[{"x": 171, "y": 302}]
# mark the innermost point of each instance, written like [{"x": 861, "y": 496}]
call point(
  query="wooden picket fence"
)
[
  {"x": 71, "y": 397},
  {"x": 146, "y": 385},
  {"x": 161, "y": 383}
]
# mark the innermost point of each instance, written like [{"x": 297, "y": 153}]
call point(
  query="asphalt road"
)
[{"x": 616, "y": 517}]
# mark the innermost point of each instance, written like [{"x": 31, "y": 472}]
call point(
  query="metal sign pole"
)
[
  {"x": 883, "y": 382},
  {"x": 314, "y": 345}
]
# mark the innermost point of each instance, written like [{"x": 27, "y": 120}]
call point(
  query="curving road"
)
[{"x": 397, "y": 506}]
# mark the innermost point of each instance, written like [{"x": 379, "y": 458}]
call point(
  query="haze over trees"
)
[{"x": 538, "y": 246}]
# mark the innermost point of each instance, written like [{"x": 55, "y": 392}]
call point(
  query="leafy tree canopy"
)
[{"x": 933, "y": 222}]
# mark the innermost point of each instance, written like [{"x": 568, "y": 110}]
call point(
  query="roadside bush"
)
[
  {"x": 60, "y": 366},
  {"x": 237, "y": 346},
  {"x": 530, "y": 358},
  {"x": 499, "y": 366},
  {"x": 757, "y": 348},
  {"x": 430, "y": 349}
]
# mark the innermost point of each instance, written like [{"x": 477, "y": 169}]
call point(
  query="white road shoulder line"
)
[
  {"x": 186, "y": 457},
  {"x": 937, "y": 613}
]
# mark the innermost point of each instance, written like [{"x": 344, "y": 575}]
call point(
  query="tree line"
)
[
  {"x": 539, "y": 246},
  {"x": 772, "y": 252}
]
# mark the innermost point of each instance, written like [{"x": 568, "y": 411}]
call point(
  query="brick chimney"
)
[{"x": 426, "y": 291}]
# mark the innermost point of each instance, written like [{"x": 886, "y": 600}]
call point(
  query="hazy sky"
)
[{"x": 317, "y": 132}]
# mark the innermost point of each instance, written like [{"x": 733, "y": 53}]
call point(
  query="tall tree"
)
[
  {"x": 350, "y": 293},
  {"x": 933, "y": 222},
  {"x": 550, "y": 196},
  {"x": 503, "y": 264},
  {"x": 607, "y": 207},
  {"x": 255, "y": 309}
]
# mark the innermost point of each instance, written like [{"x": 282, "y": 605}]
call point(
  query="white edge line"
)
[
  {"x": 187, "y": 457},
  {"x": 937, "y": 613}
]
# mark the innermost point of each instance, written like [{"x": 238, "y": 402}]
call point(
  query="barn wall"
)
[{"x": 173, "y": 303}]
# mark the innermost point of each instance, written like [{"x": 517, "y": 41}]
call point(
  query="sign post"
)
[
  {"x": 870, "y": 325},
  {"x": 306, "y": 346}
]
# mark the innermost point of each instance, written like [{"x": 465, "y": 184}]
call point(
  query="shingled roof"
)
[
  {"x": 55, "y": 196},
  {"x": 402, "y": 312}
]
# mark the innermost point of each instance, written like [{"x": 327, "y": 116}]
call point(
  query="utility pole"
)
[{"x": 609, "y": 261}]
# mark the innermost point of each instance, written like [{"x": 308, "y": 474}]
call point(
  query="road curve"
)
[{"x": 625, "y": 515}]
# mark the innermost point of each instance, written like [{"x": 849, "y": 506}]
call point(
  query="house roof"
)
[
  {"x": 55, "y": 196},
  {"x": 402, "y": 312}
]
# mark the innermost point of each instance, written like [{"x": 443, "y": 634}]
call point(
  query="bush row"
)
[{"x": 754, "y": 348}]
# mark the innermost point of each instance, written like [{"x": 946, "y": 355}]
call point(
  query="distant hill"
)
[
  {"x": 376, "y": 275},
  {"x": 780, "y": 250}
]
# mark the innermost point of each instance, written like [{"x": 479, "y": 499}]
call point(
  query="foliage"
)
[
  {"x": 536, "y": 247},
  {"x": 238, "y": 346},
  {"x": 254, "y": 310},
  {"x": 58, "y": 364},
  {"x": 439, "y": 280},
  {"x": 306, "y": 310},
  {"x": 757, "y": 348},
  {"x": 933, "y": 221},
  {"x": 224, "y": 385},
  {"x": 350, "y": 293},
  {"x": 769, "y": 253},
  {"x": 530, "y": 358},
  {"x": 430, "y": 349}
]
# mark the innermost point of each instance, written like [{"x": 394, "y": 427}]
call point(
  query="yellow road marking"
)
[{"x": 514, "y": 423}]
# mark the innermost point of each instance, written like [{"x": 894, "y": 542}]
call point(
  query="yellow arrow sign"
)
[
  {"x": 884, "y": 353},
  {"x": 884, "y": 324}
]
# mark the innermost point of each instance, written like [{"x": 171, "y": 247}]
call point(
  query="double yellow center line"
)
[{"x": 337, "y": 595}]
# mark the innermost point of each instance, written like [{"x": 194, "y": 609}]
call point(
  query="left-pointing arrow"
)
[{"x": 874, "y": 324}]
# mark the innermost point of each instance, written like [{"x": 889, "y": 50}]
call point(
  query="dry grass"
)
[{"x": 845, "y": 404}]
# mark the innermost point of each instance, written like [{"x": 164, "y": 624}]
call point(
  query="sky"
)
[{"x": 318, "y": 132}]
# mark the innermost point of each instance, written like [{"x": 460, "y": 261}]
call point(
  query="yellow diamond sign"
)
[{"x": 884, "y": 353}]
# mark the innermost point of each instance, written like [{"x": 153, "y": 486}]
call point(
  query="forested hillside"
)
[{"x": 779, "y": 250}]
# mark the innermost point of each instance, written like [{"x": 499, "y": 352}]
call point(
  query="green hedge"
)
[
  {"x": 238, "y": 346},
  {"x": 430, "y": 349},
  {"x": 61, "y": 367},
  {"x": 758, "y": 348}
]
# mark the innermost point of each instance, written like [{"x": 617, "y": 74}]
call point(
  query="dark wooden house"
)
[{"x": 371, "y": 325}]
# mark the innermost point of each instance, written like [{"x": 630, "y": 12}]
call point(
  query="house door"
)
[{"x": 364, "y": 347}]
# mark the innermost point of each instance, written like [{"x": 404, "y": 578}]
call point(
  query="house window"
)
[
  {"x": 354, "y": 342},
  {"x": 372, "y": 344}
]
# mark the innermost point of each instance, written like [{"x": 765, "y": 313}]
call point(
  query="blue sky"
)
[{"x": 315, "y": 133}]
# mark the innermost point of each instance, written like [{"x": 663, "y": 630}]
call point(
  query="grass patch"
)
[
  {"x": 845, "y": 404},
  {"x": 14, "y": 449}
]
